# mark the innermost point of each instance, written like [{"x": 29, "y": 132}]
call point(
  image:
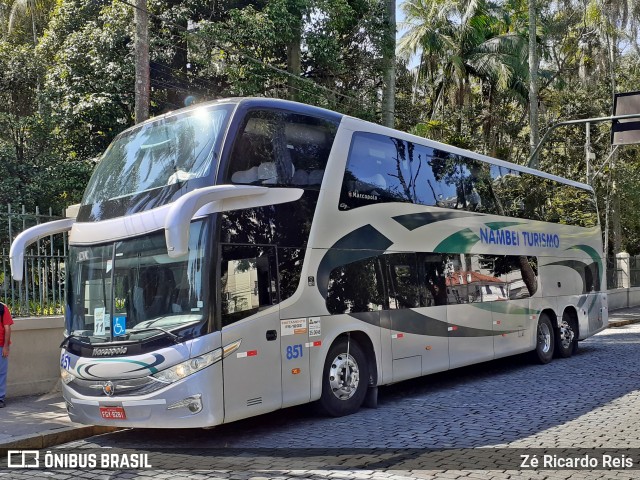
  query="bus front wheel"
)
[
  {"x": 545, "y": 340},
  {"x": 344, "y": 379}
]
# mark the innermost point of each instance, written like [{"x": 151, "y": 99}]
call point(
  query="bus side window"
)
[
  {"x": 279, "y": 148},
  {"x": 402, "y": 281},
  {"x": 434, "y": 278},
  {"x": 248, "y": 281},
  {"x": 355, "y": 287}
]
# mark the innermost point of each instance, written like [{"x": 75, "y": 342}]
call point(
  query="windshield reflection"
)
[{"x": 169, "y": 151}]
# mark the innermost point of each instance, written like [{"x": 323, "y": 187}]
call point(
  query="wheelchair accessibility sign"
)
[{"x": 119, "y": 326}]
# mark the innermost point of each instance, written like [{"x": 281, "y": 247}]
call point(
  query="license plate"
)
[{"x": 113, "y": 413}]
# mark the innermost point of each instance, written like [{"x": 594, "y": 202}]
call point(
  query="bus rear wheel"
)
[
  {"x": 545, "y": 340},
  {"x": 344, "y": 379},
  {"x": 567, "y": 339}
]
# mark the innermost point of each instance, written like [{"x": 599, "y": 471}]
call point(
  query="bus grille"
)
[{"x": 122, "y": 388}]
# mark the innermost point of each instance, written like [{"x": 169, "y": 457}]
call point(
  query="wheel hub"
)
[
  {"x": 566, "y": 334},
  {"x": 344, "y": 376},
  {"x": 544, "y": 337}
]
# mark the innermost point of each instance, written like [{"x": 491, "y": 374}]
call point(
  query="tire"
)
[
  {"x": 341, "y": 398},
  {"x": 567, "y": 337},
  {"x": 545, "y": 341}
]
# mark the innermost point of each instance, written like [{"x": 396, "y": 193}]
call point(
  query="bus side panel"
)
[
  {"x": 537, "y": 304},
  {"x": 591, "y": 310},
  {"x": 597, "y": 312},
  {"x": 558, "y": 280},
  {"x": 295, "y": 347},
  {"x": 435, "y": 345},
  {"x": 470, "y": 334},
  {"x": 386, "y": 355},
  {"x": 253, "y": 380},
  {"x": 513, "y": 323}
]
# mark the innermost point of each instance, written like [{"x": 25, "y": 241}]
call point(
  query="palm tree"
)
[
  {"x": 27, "y": 15},
  {"x": 458, "y": 41}
]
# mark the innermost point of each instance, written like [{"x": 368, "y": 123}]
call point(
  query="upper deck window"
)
[
  {"x": 384, "y": 169},
  {"x": 169, "y": 151},
  {"x": 281, "y": 149}
]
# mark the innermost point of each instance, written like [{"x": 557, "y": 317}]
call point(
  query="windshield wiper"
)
[
  {"x": 65, "y": 342},
  {"x": 173, "y": 336}
]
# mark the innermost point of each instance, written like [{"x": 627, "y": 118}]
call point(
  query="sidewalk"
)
[{"x": 41, "y": 421}]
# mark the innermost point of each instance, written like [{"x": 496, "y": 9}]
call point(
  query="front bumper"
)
[{"x": 152, "y": 410}]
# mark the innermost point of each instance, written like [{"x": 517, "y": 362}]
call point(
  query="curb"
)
[
  {"x": 622, "y": 323},
  {"x": 51, "y": 438}
]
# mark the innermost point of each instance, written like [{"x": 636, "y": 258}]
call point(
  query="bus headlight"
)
[
  {"x": 67, "y": 376},
  {"x": 193, "y": 365}
]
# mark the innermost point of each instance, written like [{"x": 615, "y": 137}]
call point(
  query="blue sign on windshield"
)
[{"x": 119, "y": 326}]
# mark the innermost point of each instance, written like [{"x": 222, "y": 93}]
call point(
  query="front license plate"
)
[{"x": 113, "y": 413}]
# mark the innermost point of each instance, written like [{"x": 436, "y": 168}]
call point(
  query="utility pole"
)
[
  {"x": 389, "y": 91},
  {"x": 141, "y": 19},
  {"x": 533, "y": 79}
]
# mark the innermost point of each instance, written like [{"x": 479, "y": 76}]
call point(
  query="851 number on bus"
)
[{"x": 294, "y": 351}]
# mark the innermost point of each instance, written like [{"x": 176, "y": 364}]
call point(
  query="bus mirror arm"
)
[
  {"x": 30, "y": 235},
  {"x": 183, "y": 210}
]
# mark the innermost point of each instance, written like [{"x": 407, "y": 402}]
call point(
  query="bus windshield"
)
[
  {"x": 168, "y": 151},
  {"x": 132, "y": 290}
]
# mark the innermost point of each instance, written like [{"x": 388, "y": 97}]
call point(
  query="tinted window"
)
[
  {"x": 477, "y": 180},
  {"x": 289, "y": 268},
  {"x": 167, "y": 151},
  {"x": 280, "y": 148},
  {"x": 531, "y": 197},
  {"x": 411, "y": 280},
  {"x": 490, "y": 278},
  {"x": 356, "y": 287},
  {"x": 433, "y": 272},
  {"x": 386, "y": 169},
  {"x": 521, "y": 274},
  {"x": 402, "y": 280},
  {"x": 248, "y": 281}
]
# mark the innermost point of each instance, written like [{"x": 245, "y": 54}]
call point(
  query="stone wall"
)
[{"x": 34, "y": 361}]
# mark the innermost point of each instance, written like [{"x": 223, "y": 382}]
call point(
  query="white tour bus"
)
[{"x": 246, "y": 255}]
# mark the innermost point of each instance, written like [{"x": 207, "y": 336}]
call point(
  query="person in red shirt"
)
[{"x": 5, "y": 340}]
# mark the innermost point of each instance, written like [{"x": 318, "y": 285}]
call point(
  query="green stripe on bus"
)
[
  {"x": 589, "y": 250},
  {"x": 504, "y": 307},
  {"x": 460, "y": 242},
  {"x": 499, "y": 225}
]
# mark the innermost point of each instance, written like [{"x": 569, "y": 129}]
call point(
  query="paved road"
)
[{"x": 590, "y": 401}]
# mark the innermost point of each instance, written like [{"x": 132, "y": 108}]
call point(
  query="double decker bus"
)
[{"x": 245, "y": 255}]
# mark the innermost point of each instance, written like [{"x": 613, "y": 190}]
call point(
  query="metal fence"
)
[
  {"x": 634, "y": 271},
  {"x": 42, "y": 291},
  {"x": 613, "y": 273}
]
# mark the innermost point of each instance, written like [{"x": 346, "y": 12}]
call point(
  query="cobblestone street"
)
[{"x": 589, "y": 401}]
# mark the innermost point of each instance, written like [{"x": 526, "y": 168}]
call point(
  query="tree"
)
[
  {"x": 458, "y": 41},
  {"x": 88, "y": 88}
]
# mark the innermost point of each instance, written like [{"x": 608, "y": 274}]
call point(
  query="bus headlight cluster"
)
[
  {"x": 193, "y": 365},
  {"x": 67, "y": 376}
]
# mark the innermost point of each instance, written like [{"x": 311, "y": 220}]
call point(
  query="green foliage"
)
[{"x": 63, "y": 100}]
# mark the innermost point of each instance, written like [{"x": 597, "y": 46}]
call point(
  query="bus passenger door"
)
[{"x": 248, "y": 285}]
